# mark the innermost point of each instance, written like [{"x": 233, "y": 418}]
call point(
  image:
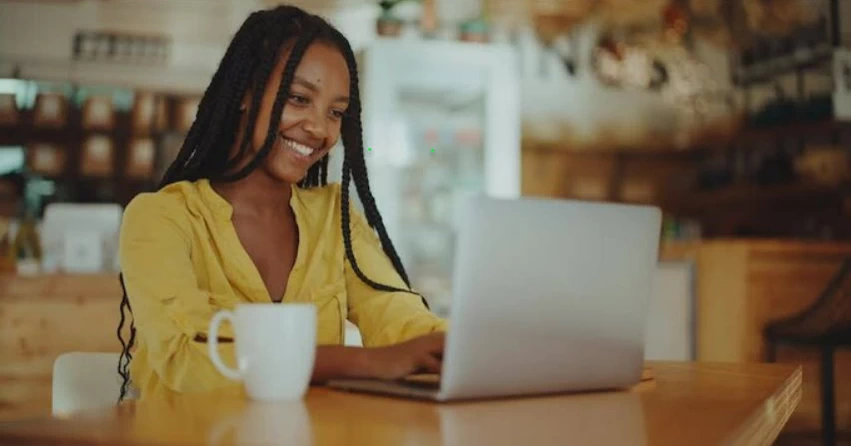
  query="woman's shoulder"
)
[
  {"x": 171, "y": 197},
  {"x": 156, "y": 222},
  {"x": 171, "y": 202}
]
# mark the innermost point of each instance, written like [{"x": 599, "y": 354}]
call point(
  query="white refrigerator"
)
[{"x": 441, "y": 124}]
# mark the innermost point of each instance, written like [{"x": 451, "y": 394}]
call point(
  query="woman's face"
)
[{"x": 312, "y": 116}]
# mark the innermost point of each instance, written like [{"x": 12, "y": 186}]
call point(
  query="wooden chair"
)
[
  {"x": 353, "y": 337},
  {"x": 825, "y": 325},
  {"x": 83, "y": 381}
]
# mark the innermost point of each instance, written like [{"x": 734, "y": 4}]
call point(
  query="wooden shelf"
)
[
  {"x": 634, "y": 153},
  {"x": 116, "y": 186},
  {"x": 791, "y": 196},
  {"x": 747, "y": 135},
  {"x": 755, "y": 134},
  {"x": 818, "y": 61}
]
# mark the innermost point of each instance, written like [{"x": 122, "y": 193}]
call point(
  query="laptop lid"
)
[{"x": 549, "y": 295}]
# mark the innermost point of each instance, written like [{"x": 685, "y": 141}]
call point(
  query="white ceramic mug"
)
[{"x": 275, "y": 348}]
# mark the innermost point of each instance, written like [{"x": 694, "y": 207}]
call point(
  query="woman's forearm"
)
[{"x": 335, "y": 361}]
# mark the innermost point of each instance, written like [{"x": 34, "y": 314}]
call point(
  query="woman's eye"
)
[
  {"x": 298, "y": 99},
  {"x": 338, "y": 114}
]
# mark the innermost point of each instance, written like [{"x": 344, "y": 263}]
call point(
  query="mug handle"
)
[{"x": 213, "y": 346}]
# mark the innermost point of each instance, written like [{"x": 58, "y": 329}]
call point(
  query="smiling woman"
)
[{"x": 244, "y": 214}]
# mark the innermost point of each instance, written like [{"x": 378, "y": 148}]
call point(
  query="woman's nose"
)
[{"x": 316, "y": 125}]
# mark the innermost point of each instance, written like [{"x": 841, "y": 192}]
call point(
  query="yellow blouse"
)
[{"x": 182, "y": 262}]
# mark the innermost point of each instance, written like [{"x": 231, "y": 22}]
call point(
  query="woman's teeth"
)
[{"x": 301, "y": 149}]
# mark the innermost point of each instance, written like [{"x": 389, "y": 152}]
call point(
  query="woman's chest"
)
[{"x": 272, "y": 250}]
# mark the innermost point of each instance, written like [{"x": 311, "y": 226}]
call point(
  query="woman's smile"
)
[{"x": 301, "y": 153}]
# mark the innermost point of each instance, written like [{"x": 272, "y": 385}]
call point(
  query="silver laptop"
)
[{"x": 549, "y": 296}]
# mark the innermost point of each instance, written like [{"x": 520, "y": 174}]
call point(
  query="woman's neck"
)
[{"x": 258, "y": 194}]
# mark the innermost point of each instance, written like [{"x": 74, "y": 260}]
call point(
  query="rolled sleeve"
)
[{"x": 382, "y": 317}]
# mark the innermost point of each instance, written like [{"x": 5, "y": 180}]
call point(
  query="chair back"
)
[
  {"x": 353, "y": 337},
  {"x": 829, "y": 315},
  {"x": 83, "y": 381}
]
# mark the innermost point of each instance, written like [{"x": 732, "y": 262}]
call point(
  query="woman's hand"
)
[{"x": 419, "y": 355}]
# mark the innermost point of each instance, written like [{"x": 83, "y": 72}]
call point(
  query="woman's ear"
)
[{"x": 246, "y": 100}]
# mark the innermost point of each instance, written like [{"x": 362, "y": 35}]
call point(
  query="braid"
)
[
  {"x": 244, "y": 77},
  {"x": 323, "y": 170},
  {"x": 317, "y": 175},
  {"x": 126, "y": 354},
  {"x": 354, "y": 167},
  {"x": 226, "y": 88},
  {"x": 246, "y": 67}
]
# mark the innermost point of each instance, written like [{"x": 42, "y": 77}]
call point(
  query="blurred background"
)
[{"x": 730, "y": 115}]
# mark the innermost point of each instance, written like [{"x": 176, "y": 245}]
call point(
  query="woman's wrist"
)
[
  {"x": 334, "y": 362},
  {"x": 365, "y": 362}
]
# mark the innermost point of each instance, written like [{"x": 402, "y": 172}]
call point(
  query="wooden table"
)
[{"x": 692, "y": 404}]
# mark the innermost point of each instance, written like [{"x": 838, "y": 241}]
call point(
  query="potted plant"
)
[
  {"x": 388, "y": 25},
  {"x": 475, "y": 30}
]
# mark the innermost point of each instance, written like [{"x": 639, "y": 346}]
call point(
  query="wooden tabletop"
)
[{"x": 694, "y": 404}]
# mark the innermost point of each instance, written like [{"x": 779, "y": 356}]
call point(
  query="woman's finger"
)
[{"x": 430, "y": 363}]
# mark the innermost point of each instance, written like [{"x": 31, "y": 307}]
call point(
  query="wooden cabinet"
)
[
  {"x": 42, "y": 317},
  {"x": 742, "y": 285}
]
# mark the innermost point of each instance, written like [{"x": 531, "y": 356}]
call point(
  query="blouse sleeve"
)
[
  {"x": 169, "y": 309},
  {"x": 382, "y": 317}
]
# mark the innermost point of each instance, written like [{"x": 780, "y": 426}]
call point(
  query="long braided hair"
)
[{"x": 246, "y": 67}]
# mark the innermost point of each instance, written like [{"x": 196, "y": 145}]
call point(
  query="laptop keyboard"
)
[{"x": 423, "y": 381}]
